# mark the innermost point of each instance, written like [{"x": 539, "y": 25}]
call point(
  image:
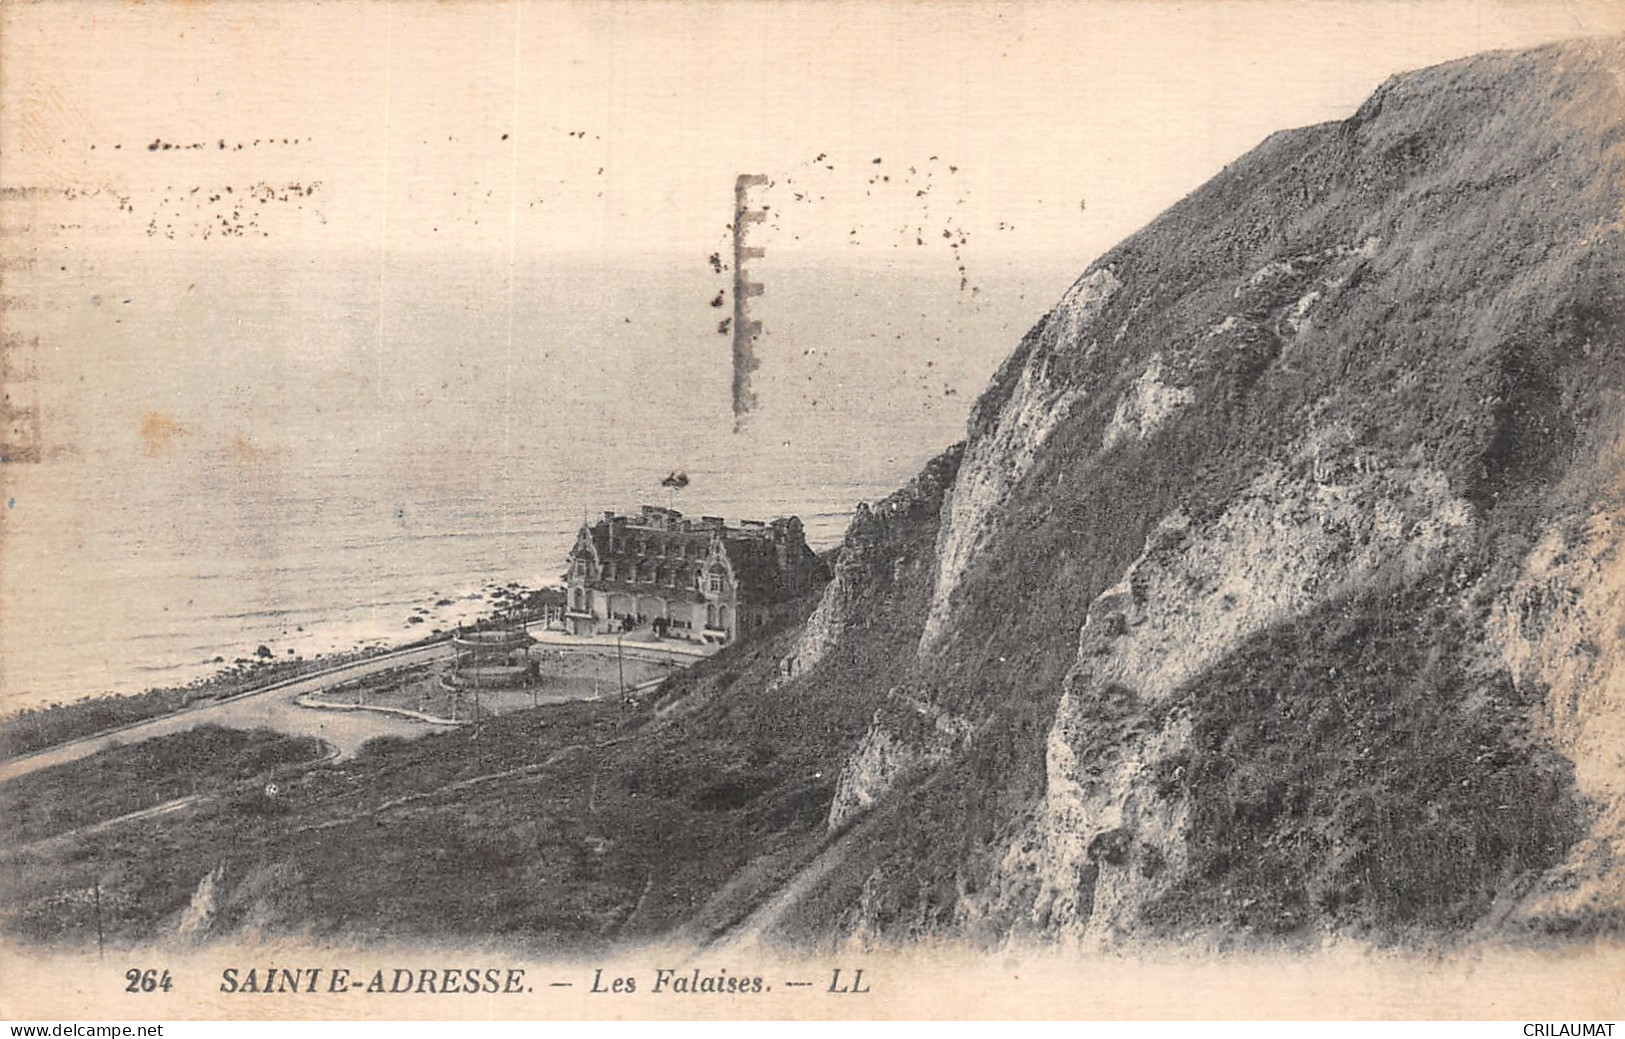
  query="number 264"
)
[{"x": 147, "y": 980}]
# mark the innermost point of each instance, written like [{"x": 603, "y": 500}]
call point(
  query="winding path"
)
[
  {"x": 277, "y": 707},
  {"x": 271, "y": 707}
]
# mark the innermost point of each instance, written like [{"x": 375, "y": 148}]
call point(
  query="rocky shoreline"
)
[{"x": 36, "y": 728}]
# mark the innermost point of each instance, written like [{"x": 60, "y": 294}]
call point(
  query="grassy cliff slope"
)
[{"x": 1278, "y": 590}]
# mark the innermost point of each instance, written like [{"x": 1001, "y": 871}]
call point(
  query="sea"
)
[{"x": 321, "y": 453}]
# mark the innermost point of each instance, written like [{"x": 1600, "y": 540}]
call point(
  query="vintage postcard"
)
[{"x": 551, "y": 510}]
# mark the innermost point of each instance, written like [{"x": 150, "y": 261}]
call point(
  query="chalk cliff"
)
[{"x": 1278, "y": 591}]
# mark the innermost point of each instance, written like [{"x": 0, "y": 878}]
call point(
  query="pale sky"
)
[
  {"x": 615, "y": 130},
  {"x": 201, "y": 196}
]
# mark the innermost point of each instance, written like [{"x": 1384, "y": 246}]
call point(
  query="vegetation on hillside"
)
[{"x": 1434, "y": 280}]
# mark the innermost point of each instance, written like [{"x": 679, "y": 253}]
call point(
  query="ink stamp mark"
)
[
  {"x": 20, "y": 435},
  {"x": 20, "y": 439},
  {"x": 745, "y": 328}
]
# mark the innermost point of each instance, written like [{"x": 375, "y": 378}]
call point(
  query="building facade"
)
[{"x": 700, "y": 579}]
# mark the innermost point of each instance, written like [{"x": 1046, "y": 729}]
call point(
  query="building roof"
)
[{"x": 668, "y": 554}]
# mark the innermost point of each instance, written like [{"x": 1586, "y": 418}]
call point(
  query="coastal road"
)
[
  {"x": 276, "y": 706},
  {"x": 272, "y": 707}
]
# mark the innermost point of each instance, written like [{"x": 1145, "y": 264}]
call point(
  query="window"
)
[{"x": 713, "y": 584}]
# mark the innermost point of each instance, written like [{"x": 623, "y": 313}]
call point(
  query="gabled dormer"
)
[
  {"x": 717, "y": 578},
  {"x": 583, "y": 565}
]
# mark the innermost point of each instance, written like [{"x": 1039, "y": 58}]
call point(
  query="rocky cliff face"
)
[
  {"x": 880, "y": 547},
  {"x": 1278, "y": 590}
]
